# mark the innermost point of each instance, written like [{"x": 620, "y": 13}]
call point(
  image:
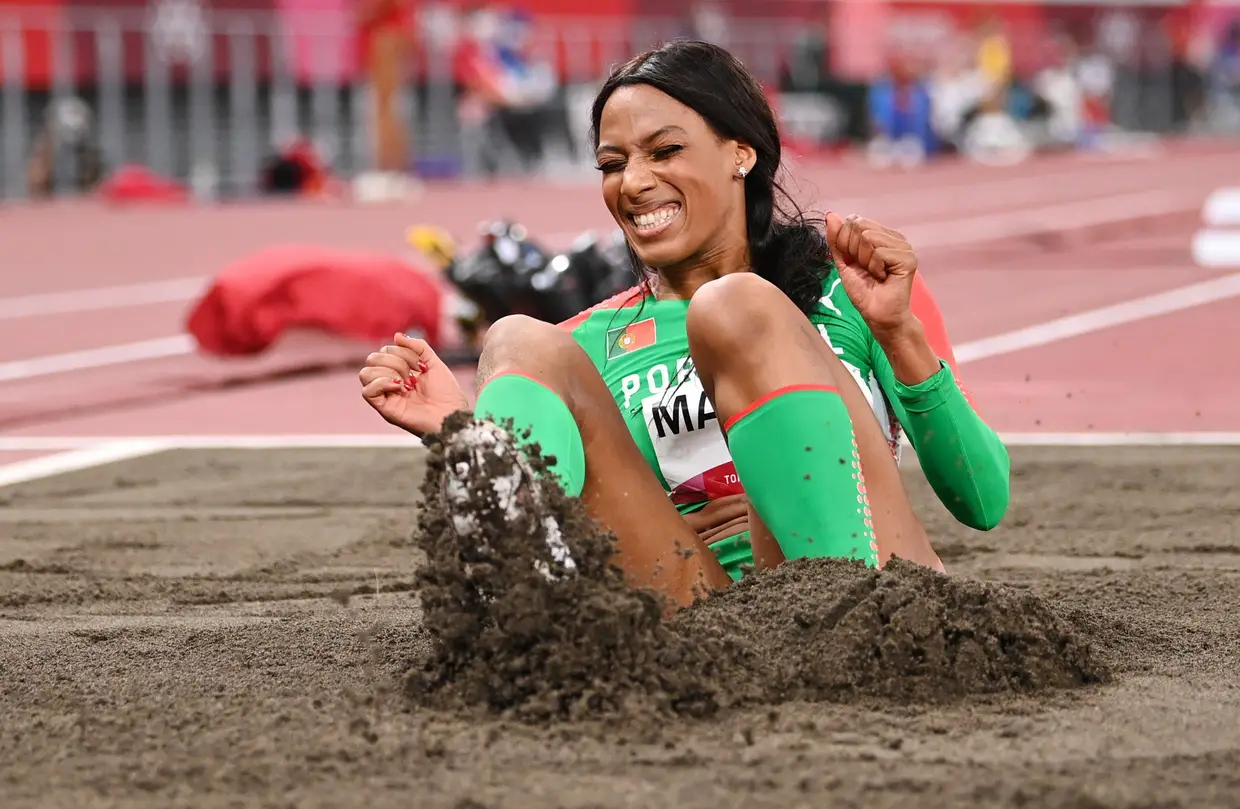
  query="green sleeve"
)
[
  {"x": 962, "y": 457},
  {"x": 964, "y": 460},
  {"x": 844, "y": 331}
]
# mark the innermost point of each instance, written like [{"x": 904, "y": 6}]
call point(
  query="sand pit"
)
[
  {"x": 236, "y": 629},
  {"x": 517, "y": 631}
]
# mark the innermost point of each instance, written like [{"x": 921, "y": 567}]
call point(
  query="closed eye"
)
[{"x": 660, "y": 154}]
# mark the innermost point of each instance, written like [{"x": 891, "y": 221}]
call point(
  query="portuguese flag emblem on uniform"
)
[{"x": 633, "y": 337}]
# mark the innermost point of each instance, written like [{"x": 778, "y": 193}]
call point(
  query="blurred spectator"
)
[
  {"x": 808, "y": 67},
  {"x": 1189, "y": 107},
  {"x": 386, "y": 32},
  {"x": 900, "y": 114},
  {"x": 507, "y": 96},
  {"x": 995, "y": 138},
  {"x": 480, "y": 89},
  {"x": 1225, "y": 71},
  {"x": 65, "y": 154},
  {"x": 709, "y": 23},
  {"x": 527, "y": 114},
  {"x": 1058, "y": 85},
  {"x": 994, "y": 58},
  {"x": 817, "y": 107},
  {"x": 1095, "y": 72},
  {"x": 956, "y": 90}
]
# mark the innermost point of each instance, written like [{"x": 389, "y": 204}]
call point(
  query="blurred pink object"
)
[{"x": 140, "y": 184}]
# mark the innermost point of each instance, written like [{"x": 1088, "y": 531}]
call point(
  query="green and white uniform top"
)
[{"x": 640, "y": 347}]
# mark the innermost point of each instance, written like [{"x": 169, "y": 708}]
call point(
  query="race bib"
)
[{"x": 688, "y": 443}]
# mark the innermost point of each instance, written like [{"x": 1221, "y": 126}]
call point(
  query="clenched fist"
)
[
  {"x": 876, "y": 266},
  {"x": 410, "y": 386}
]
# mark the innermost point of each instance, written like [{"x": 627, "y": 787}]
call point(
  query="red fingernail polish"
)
[{"x": 422, "y": 366}]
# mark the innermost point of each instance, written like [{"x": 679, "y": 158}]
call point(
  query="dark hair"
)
[{"x": 786, "y": 247}]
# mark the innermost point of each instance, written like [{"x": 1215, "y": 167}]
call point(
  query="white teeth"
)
[{"x": 657, "y": 217}]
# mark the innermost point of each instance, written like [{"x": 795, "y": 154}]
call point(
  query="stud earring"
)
[{"x": 742, "y": 171}]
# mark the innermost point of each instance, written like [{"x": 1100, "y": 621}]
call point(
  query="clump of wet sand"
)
[{"x": 519, "y": 631}]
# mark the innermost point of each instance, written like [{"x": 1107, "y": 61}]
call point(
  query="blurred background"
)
[
  {"x": 234, "y": 98},
  {"x": 212, "y": 210}
]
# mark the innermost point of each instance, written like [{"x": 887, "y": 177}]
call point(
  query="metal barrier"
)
[{"x": 204, "y": 96}]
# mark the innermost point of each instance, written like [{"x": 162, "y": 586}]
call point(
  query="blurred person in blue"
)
[
  {"x": 900, "y": 114},
  {"x": 532, "y": 86},
  {"x": 1225, "y": 73}
]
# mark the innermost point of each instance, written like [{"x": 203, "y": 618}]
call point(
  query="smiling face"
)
[{"x": 669, "y": 181}]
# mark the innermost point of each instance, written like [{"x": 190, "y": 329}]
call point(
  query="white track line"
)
[
  {"x": 391, "y": 438},
  {"x": 77, "y": 453},
  {"x": 1104, "y": 317},
  {"x": 158, "y": 348},
  {"x": 102, "y": 298},
  {"x": 78, "y": 459},
  {"x": 74, "y": 454}
]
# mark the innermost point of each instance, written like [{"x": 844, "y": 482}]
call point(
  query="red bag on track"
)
[{"x": 360, "y": 296}]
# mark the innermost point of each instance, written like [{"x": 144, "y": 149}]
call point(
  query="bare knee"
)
[
  {"x": 507, "y": 335},
  {"x": 515, "y": 342},
  {"x": 521, "y": 344},
  {"x": 735, "y": 313}
]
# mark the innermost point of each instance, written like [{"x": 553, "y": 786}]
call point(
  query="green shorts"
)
[{"x": 734, "y": 552}]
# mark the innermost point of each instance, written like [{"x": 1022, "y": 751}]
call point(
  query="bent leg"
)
[
  {"x": 808, "y": 449},
  {"x": 537, "y": 375}
]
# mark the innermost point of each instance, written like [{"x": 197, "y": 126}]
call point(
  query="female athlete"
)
[{"x": 711, "y": 406}]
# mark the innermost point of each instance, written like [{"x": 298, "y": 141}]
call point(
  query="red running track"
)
[{"x": 1003, "y": 249}]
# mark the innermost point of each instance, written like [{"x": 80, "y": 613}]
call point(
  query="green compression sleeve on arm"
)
[
  {"x": 535, "y": 407},
  {"x": 796, "y": 456},
  {"x": 963, "y": 459}
]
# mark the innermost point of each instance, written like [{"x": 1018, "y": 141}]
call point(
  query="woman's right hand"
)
[{"x": 410, "y": 386}]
